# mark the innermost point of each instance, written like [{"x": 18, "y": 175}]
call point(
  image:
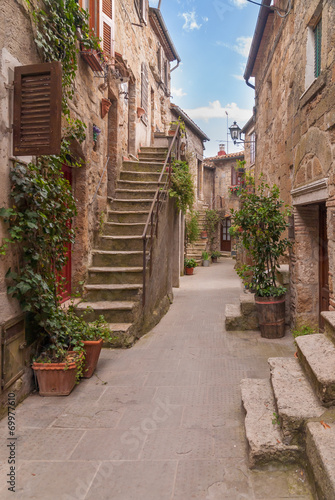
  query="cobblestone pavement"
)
[{"x": 160, "y": 421}]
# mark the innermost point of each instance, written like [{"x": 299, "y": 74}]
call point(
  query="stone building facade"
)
[
  {"x": 292, "y": 58},
  {"x": 222, "y": 181},
  {"x": 139, "y": 56}
]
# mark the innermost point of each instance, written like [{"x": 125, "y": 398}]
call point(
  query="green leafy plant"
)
[
  {"x": 182, "y": 186},
  {"x": 190, "y": 263},
  {"x": 216, "y": 254},
  {"x": 174, "y": 124},
  {"x": 276, "y": 419},
  {"x": 192, "y": 227},
  {"x": 212, "y": 219},
  {"x": 259, "y": 225},
  {"x": 205, "y": 256}
]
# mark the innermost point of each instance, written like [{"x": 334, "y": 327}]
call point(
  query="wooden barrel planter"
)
[{"x": 271, "y": 316}]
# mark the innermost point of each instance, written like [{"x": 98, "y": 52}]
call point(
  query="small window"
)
[{"x": 317, "y": 48}]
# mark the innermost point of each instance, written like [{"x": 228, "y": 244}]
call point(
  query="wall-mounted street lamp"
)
[{"x": 236, "y": 134}]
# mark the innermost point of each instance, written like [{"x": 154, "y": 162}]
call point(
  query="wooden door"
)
[
  {"x": 65, "y": 275},
  {"x": 225, "y": 236},
  {"x": 323, "y": 263}
]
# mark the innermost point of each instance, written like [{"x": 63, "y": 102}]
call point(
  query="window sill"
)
[{"x": 313, "y": 89}]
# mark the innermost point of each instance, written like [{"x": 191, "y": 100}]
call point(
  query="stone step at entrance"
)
[
  {"x": 298, "y": 399},
  {"x": 115, "y": 278}
]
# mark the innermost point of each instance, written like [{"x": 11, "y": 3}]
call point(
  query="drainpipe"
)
[
  {"x": 178, "y": 62},
  {"x": 159, "y": 4},
  {"x": 250, "y": 84}
]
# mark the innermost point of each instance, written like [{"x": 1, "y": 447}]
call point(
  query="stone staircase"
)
[
  {"x": 195, "y": 250},
  {"x": 114, "y": 283},
  {"x": 291, "y": 416}
]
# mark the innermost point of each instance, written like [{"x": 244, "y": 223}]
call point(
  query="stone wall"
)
[{"x": 295, "y": 129}]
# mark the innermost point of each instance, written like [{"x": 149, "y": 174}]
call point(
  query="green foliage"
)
[
  {"x": 216, "y": 254},
  {"x": 182, "y": 127},
  {"x": 190, "y": 263},
  {"x": 205, "y": 256},
  {"x": 301, "y": 330},
  {"x": 259, "y": 225},
  {"x": 212, "y": 219},
  {"x": 192, "y": 227},
  {"x": 182, "y": 187},
  {"x": 275, "y": 420}
]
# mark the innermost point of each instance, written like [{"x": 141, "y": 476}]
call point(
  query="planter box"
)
[
  {"x": 55, "y": 379},
  {"x": 92, "y": 58}
]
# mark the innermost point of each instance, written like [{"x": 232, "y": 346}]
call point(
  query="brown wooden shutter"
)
[
  {"x": 107, "y": 8},
  {"x": 37, "y": 109},
  {"x": 145, "y": 92},
  {"x": 107, "y": 39}
]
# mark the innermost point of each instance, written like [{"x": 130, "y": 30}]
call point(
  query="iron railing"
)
[{"x": 152, "y": 223}]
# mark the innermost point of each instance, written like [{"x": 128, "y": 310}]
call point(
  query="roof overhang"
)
[
  {"x": 159, "y": 27},
  {"x": 257, "y": 38},
  {"x": 197, "y": 130}
]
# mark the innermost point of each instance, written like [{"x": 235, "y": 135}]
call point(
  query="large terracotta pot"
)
[
  {"x": 271, "y": 316},
  {"x": 55, "y": 379},
  {"x": 92, "y": 349}
]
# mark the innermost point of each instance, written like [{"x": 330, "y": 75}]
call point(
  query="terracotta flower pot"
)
[
  {"x": 105, "y": 105},
  {"x": 55, "y": 379},
  {"x": 203, "y": 235},
  {"x": 214, "y": 259},
  {"x": 189, "y": 270},
  {"x": 92, "y": 349}
]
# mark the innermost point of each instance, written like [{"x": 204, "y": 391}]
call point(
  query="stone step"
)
[
  {"x": 110, "y": 292},
  {"x": 105, "y": 258},
  {"x": 152, "y": 149},
  {"x": 121, "y": 243},
  {"x": 127, "y": 175},
  {"x": 112, "y": 311},
  {"x": 119, "y": 327},
  {"x": 139, "y": 185},
  {"x": 132, "y": 205},
  {"x": 295, "y": 400},
  {"x": 127, "y": 216},
  {"x": 151, "y": 167},
  {"x": 329, "y": 322},
  {"x": 320, "y": 451},
  {"x": 115, "y": 275},
  {"x": 317, "y": 356},
  {"x": 233, "y": 317},
  {"x": 262, "y": 431},
  {"x": 152, "y": 158},
  {"x": 129, "y": 194},
  {"x": 123, "y": 228}
]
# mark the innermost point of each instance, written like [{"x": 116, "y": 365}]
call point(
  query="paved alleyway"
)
[{"x": 161, "y": 421}]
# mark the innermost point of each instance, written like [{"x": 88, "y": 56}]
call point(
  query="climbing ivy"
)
[{"x": 182, "y": 186}]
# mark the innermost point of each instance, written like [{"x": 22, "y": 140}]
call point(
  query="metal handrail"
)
[{"x": 151, "y": 215}]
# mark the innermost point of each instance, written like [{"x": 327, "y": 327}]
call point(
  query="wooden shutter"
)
[
  {"x": 37, "y": 109},
  {"x": 233, "y": 176},
  {"x": 145, "y": 92},
  {"x": 317, "y": 49},
  {"x": 107, "y": 28}
]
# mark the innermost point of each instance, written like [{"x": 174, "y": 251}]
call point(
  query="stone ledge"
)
[
  {"x": 317, "y": 356},
  {"x": 313, "y": 89},
  {"x": 329, "y": 321},
  {"x": 320, "y": 449},
  {"x": 264, "y": 437},
  {"x": 294, "y": 396}
]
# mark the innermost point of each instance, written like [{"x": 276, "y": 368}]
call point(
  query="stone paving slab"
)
[{"x": 160, "y": 421}]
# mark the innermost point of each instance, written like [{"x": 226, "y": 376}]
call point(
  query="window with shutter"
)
[
  {"x": 317, "y": 49},
  {"x": 37, "y": 109},
  {"x": 144, "y": 92},
  {"x": 141, "y": 9}
]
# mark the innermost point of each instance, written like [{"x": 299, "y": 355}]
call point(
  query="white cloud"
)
[
  {"x": 215, "y": 110},
  {"x": 190, "y": 21},
  {"x": 177, "y": 92},
  {"x": 242, "y": 45},
  {"x": 240, "y": 3}
]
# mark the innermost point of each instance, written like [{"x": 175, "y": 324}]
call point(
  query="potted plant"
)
[
  {"x": 189, "y": 265},
  {"x": 92, "y": 336},
  {"x": 205, "y": 259},
  {"x": 215, "y": 256},
  {"x": 263, "y": 219},
  {"x": 203, "y": 235}
]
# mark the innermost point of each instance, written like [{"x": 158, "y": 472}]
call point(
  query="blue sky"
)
[{"x": 213, "y": 40}]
